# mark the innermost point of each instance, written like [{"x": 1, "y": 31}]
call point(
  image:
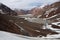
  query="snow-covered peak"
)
[{"x": 43, "y": 5}]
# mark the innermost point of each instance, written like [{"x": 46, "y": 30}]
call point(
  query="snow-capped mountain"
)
[
  {"x": 47, "y": 10},
  {"x": 54, "y": 9},
  {"x": 6, "y": 10}
]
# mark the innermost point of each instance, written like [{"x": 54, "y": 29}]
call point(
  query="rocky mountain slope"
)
[
  {"x": 6, "y": 10},
  {"x": 47, "y": 10}
]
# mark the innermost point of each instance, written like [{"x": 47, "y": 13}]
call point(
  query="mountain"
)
[
  {"x": 21, "y": 12},
  {"x": 46, "y": 10},
  {"x": 36, "y": 11},
  {"x": 6, "y": 10},
  {"x": 39, "y": 10},
  {"x": 53, "y": 9}
]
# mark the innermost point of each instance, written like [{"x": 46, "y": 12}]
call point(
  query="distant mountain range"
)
[
  {"x": 49, "y": 11},
  {"x": 46, "y": 11},
  {"x": 21, "y": 12}
]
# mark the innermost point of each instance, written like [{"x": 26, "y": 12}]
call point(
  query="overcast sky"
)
[{"x": 25, "y": 4}]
